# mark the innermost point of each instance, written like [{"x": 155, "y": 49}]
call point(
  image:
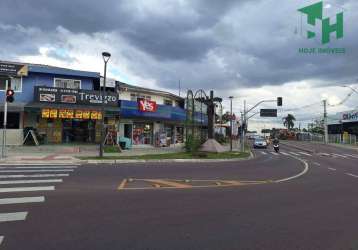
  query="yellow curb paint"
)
[
  {"x": 168, "y": 183},
  {"x": 122, "y": 185}
]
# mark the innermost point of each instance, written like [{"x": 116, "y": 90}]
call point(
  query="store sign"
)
[
  {"x": 147, "y": 106},
  {"x": 71, "y": 114},
  {"x": 11, "y": 69},
  {"x": 74, "y": 96},
  {"x": 110, "y": 82},
  {"x": 350, "y": 116}
]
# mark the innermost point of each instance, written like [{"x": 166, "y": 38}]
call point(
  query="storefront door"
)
[
  {"x": 80, "y": 131},
  {"x": 142, "y": 133}
]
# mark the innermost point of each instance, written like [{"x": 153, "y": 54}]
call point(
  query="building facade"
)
[
  {"x": 65, "y": 106},
  {"x": 341, "y": 122},
  {"x": 60, "y": 105}
]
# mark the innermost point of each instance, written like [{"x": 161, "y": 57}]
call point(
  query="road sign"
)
[
  {"x": 12, "y": 69},
  {"x": 268, "y": 112}
]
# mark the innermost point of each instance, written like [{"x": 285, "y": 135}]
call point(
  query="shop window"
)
[
  {"x": 67, "y": 83},
  {"x": 14, "y": 83},
  {"x": 136, "y": 96},
  {"x": 168, "y": 102}
]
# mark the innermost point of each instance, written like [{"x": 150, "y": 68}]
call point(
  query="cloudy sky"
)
[{"x": 244, "y": 48}]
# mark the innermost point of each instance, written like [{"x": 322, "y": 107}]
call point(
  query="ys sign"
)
[{"x": 146, "y": 106}]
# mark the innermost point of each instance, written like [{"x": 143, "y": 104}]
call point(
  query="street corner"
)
[{"x": 160, "y": 184}]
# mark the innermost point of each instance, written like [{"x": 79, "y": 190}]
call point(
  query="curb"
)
[{"x": 124, "y": 161}]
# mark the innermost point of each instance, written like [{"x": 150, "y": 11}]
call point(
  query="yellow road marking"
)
[
  {"x": 169, "y": 183},
  {"x": 123, "y": 183}
]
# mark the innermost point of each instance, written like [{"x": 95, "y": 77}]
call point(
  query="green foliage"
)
[
  {"x": 288, "y": 121},
  {"x": 192, "y": 144}
]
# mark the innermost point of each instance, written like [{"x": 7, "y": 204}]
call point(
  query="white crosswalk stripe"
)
[
  {"x": 33, "y": 170},
  {"x": 284, "y": 153},
  {"x": 30, "y": 181},
  {"x": 26, "y": 189},
  {"x": 32, "y": 175},
  {"x": 40, "y": 167},
  {"x": 350, "y": 155},
  {"x": 304, "y": 153},
  {"x": 5, "y": 217},
  {"x": 264, "y": 153},
  {"x": 293, "y": 153},
  {"x": 274, "y": 153},
  {"x": 339, "y": 155},
  {"x": 20, "y": 200},
  {"x": 1, "y": 239}
]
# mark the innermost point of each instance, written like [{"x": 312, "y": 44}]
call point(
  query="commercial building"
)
[
  {"x": 152, "y": 117},
  {"x": 60, "y": 105},
  {"x": 342, "y": 122},
  {"x": 65, "y": 106}
]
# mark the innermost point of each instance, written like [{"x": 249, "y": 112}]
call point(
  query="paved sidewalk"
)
[{"x": 67, "y": 154}]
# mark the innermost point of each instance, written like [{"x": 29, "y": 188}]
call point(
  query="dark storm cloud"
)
[{"x": 204, "y": 42}]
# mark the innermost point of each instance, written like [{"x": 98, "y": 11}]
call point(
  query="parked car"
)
[{"x": 260, "y": 143}]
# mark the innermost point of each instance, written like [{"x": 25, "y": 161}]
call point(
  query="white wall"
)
[
  {"x": 13, "y": 136},
  {"x": 126, "y": 95}
]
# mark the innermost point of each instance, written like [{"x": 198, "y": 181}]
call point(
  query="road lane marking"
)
[
  {"x": 122, "y": 185},
  {"x": 32, "y": 175},
  {"x": 353, "y": 175},
  {"x": 338, "y": 155},
  {"x": 294, "y": 153},
  {"x": 39, "y": 167},
  {"x": 20, "y": 200},
  {"x": 304, "y": 153},
  {"x": 333, "y": 169},
  {"x": 1, "y": 239},
  {"x": 264, "y": 153},
  {"x": 30, "y": 181},
  {"x": 284, "y": 153},
  {"x": 169, "y": 183},
  {"x": 5, "y": 217},
  {"x": 27, "y": 189},
  {"x": 354, "y": 156},
  {"x": 316, "y": 163},
  {"x": 274, "y": 153},
  {"x": 305, "y": 170},
  {"x": 39, "y": 170}
]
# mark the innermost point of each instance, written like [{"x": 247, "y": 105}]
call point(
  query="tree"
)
[{"x": 288, "y": 121}]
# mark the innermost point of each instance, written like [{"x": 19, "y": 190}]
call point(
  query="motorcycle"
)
[{"x": 276, "y": 147}]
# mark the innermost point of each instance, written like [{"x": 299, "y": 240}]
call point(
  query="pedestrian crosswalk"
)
[
  {"x": 17, "y": 181},
  {"x": 306, "y": 154}
]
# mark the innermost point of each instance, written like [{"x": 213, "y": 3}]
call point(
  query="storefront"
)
[
  {"x": 344, "y": 122},
  {"x": 148, "y": 123},
  {"x": 61, "y": 115}
]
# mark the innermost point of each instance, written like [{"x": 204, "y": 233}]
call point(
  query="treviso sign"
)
[{"x": 74, "y": 96}]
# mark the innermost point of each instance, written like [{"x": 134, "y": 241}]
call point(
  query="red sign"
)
[{"x": 147, "y": 106}]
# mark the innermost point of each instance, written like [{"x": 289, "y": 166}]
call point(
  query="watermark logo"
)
[{"x": 321, "y": 22}]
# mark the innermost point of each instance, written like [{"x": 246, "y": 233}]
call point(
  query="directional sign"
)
[
  {"x": 11, "y": 69},
  {"x": 268, "y": 112}
]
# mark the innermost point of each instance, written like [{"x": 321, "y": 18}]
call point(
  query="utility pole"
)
[
  {"x": 231, "y": 97},
  {"x": 3, "y": 148},
  {"x": 325, "y": 125}
]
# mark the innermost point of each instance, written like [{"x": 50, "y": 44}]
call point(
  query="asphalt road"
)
[{"x": 232, "y": 205}]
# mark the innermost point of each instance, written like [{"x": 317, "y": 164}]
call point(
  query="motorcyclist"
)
[{"x": 275, "y": 141}]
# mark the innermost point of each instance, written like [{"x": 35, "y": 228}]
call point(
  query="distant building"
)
[{"x": 341, "y": 122}]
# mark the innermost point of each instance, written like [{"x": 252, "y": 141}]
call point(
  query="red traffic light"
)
[
  {"x": 10, "y": 92},
  {"x": 10, "y": 95}
]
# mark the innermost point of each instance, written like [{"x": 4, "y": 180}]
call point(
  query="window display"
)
[{"x": 142, "y": 133}]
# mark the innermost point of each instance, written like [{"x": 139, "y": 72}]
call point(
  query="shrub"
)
[{"x": 192, "y": 144}]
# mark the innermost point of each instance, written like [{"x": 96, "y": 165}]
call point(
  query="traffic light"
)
[
  {"x": 279, "y": 101},
  {"x": 10, "y": 95}
]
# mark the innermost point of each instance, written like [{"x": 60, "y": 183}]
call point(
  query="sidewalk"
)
[{"x": 67, "y": 154}]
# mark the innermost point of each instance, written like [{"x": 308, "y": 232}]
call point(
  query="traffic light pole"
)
[{"x": 3, "y": 148}]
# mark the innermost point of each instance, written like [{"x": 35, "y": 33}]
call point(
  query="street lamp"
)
[
  {"x": 106, "y": 57},
  {"x": 346, "y": 86},
  {"x": 231, "y": 97}
]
